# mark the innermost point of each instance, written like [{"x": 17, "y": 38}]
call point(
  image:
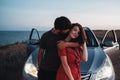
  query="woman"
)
[{"x": 71, "y": 57}]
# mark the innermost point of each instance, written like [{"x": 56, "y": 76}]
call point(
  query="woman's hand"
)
[{"x": 71, "y": 78}]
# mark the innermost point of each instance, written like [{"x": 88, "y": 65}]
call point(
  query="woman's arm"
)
[
  {"x": 85, "y": 53},
  {"x": 66, "y": 67},
  {"x": 40, "y": 54}
]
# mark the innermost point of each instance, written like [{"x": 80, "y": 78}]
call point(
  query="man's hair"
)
[{"x": 62, "y": 23}]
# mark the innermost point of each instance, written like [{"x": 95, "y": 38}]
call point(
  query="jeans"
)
[{"x": 46, "y": 75}]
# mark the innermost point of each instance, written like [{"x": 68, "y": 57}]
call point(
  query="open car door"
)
[
  {"x": 109, "y": 42},
  {"x": 33, "y": 41}
]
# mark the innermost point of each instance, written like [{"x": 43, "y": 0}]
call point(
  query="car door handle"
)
[{"x": 116, "y": 47}]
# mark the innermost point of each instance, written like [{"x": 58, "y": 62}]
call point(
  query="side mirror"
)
[
  {"x": 34, "y": 42},
  {"x": 107, "y": 43}
]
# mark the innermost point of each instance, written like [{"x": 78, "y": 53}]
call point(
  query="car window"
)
[
  {"x": 91, "y": 41},
  {"x": 110, "y": 36}
]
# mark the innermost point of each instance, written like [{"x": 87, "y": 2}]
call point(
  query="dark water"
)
[{"x": 9, "y": 37}]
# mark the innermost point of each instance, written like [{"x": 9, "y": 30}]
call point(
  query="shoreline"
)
[{"x": 10, "y": 44}]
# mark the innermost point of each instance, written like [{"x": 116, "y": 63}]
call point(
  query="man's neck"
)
[
  {"x": 68, "y": 38},
  {"x": 55, "y": 31}
]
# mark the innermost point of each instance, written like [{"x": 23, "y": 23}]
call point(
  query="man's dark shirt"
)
[{"x": 50, "y": 60}]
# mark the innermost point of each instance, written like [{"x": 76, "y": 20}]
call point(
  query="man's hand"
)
[{"x": 61, "y": 44}]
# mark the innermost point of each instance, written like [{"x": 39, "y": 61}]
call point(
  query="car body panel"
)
[{"x": 95, "y": 60}]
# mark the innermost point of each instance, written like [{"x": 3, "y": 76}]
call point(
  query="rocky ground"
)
[
  {"x": 115, "y": 57},
  {"x": 12, "y": 59}
]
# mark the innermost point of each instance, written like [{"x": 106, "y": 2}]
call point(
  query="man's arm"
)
[
  {"x": 40, "y": 55},
  {"x": 63, "y": 44}
]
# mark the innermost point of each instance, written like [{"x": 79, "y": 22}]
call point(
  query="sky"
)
[{"x": 40, "y": 14}]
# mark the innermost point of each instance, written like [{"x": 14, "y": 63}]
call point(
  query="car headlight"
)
[
  {"x": 30, "y": 68},
  {"x": 106, "y": 71}
]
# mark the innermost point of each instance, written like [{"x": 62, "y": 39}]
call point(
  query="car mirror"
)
[
  {"x": 107, "y": 43},
  {"x": 34, "y": 42}
]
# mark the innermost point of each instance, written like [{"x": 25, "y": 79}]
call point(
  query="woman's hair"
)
[{"x": 82, "y": 35}]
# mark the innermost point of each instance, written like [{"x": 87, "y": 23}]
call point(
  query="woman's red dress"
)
[{"x": 73, "y": 59}]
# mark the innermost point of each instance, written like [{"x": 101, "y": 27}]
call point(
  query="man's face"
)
[{"x": 64, "y": 31}]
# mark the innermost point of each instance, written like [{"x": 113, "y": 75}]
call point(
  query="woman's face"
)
[{"x": 74, "y": 33}]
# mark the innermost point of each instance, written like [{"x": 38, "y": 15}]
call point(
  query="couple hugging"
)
[{"x": 61, "y": 51}]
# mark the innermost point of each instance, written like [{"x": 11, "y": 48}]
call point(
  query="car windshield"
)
[{"x": 91, "y": 41}]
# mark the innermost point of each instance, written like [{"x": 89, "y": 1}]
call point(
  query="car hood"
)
[{"x": 96, "y": 58}]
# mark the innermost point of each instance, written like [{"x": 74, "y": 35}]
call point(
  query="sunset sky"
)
[{"x": 40, "y": 14}]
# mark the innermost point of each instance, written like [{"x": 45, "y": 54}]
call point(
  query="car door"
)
[
  {"x": 109, "y": 42},
  {"x": 33, "y": 41}
]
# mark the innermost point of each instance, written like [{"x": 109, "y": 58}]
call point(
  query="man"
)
[{"x": 48, "y": 60}]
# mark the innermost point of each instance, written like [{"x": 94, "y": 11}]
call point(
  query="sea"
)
[{"x": 10, "y": 37}]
